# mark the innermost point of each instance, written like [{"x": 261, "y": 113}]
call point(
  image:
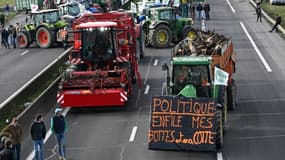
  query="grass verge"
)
[
  {"x": 274, "y": 10},
  {"x": 15, "y": 107}
]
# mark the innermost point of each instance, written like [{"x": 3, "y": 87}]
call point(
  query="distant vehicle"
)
[
  {"x": 45, "y": 30},
  {"x": 26, "y": 4},
  {"x": 164, "y": 25}
]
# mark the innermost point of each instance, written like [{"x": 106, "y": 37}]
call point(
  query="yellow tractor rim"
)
[
  {"x": 192, "y": 35},
  {"x": 162, "y": 36}
]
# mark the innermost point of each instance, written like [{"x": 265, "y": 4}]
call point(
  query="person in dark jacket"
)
[
  {"x": 38, "y": 134},
  {"x": 199, "y": 9},
  {"x": 207, "y": 10},
  {"x": 258, "y": 12},
  {"x": 59, "y": 128},
  {"x": 277, "y": 22},
  {"x": 8, "y": 153},
  {"x": 5, "y": 36}
]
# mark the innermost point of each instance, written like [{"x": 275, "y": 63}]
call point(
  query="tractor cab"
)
[
  {"x": 98, "y": 41},
  {"x": 50, "y": 16},
  {"x": 190, "y": 77}
]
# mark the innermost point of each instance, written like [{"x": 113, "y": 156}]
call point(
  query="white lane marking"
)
[
  {"x": 133, "y": 134},
  {"x": 31, "y": 155},
  {"x": 155, "y": 62},
  {"x": 266, "y": 65},
  {"x": 219, "y": 156},
  {"x": 31, "y": 80},
  {"x": 146, "y": 89},
  {"x": 22, "y": 54},
  {"x": 232, "y": 8}
]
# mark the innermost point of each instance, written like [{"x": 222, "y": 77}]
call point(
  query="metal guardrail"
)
[{"x": 12, "y": 101}]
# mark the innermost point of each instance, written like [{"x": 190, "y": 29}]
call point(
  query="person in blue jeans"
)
[
  {"x": 38, "y": 134},
  {"x": 59, "y": 128}
]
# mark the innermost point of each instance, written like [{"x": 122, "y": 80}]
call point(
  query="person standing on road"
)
[
  {"x": 7, "y": 9},
  {"x": 258, "y": 12},
  {"x": 199, "y": 9},
  {"x": 2, "y": 19},
  {"x": 14, "y": 131},
  {"x": 207, "y": 10},
  {"x": 4, "y": 37},
  {"x": 277, "y": 22},
  {"x": 38, "y": 134},
  {"x": 7, "y": 153},
  {"x": 59, "y": 128}
]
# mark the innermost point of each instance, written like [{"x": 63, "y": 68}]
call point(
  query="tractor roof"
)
[
  {"x": 191, "y": 60},
  {"x": 45, "y": 11},
  {"x": 97, "y": 24},
  {"x": 161, "y": 8}
]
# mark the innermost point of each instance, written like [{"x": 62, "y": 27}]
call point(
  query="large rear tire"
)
[
  {"x": 161, "y": 36},
  {"x": 219, "y": 129},
  {"x": 44, "y": 37},
  {"x": 231, "y": 96},
  {"x": 22, "y": 40}
]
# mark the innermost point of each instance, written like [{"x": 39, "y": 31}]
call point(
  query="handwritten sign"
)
[{"x": 181, "y": 123}]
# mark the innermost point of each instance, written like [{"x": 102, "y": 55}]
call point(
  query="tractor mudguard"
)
[{"x": 155, "y": 24}]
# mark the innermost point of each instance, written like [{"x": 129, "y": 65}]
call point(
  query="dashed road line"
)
[
  {"x": 155, "y": 62},
  {"x": 266, "y": 65},
  {"x": 146, "y": 89},
  {"x": 22, "y": 54},
  {"x": 133, "y": 134},
  {"x": 232, "y": 8},
  {"x": 219, "y": 156}
]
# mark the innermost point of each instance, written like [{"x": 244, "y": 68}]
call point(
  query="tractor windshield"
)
[
  {"x": 97, "y": 45},
  {"x": 73, "y": 9},
  {"x": 51, "y": 17},
  {"x": 197, "y": 75}
]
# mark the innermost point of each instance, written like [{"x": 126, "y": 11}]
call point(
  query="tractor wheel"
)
[
  {"x": 161, "y": 36},
  {"x": 44, "y": 37},
  {"x": 231, "y": 92},
  {"x": 190, "y": 33},
  {"x": 219, "y": 129},
  {"x": 22, "y": 40}
]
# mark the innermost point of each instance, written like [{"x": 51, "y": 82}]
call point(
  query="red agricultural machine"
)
[{"x": 103, "y": 61}]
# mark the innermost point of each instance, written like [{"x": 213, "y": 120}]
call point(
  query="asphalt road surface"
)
[
  {"x": 18, "y": 66},
  {"x": 255, "y": 130}
]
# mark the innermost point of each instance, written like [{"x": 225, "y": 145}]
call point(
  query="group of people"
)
[
  {"x": 9, "y": 34},
  {"x": 278, "y": 18},
  {"x": 203, "y": 10},
  {"x": 11, "y": 135}
]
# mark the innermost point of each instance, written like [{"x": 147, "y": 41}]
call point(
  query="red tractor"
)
[{"x": 104, "y": 61}]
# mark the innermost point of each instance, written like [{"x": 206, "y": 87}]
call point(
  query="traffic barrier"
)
[{"x": 19, "y": 98}]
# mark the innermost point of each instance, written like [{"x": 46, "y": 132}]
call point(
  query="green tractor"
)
[
  {"x": 164, "y": 25},
  {"x": 45, "y": 30},
  {"x": 205, "y": 70}
]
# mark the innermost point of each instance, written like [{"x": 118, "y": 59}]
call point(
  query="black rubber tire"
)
[
  {"x": 22, "y": 40},
  {"x": 154, "y": 36},
  {"x": 219, "y": 129},
  {"x": 231, "y": 96},
  {"x": 189, "y": 32},
  {"x": 48, "y": 37}
]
